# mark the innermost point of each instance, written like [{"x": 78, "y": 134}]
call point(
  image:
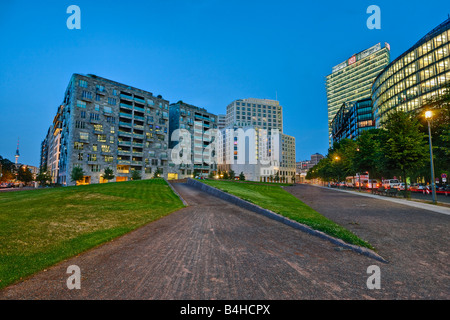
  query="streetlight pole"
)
[{"x": 428, "y": 115}]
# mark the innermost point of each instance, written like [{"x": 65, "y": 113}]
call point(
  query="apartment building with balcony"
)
[
  {"x": 107, "y": 124},
  {"x": 202, "y": 126}
]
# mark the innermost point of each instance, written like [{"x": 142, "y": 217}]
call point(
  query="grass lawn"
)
[
  {"x": 41, "y": 227},
  {"x": 274, "y": 198}
]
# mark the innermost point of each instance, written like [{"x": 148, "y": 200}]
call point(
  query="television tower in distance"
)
[{"x": 17, "y": 153}]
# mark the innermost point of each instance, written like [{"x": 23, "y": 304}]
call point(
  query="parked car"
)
[
  {"x": 391, "y": 183},
  {"x": 371, "y": 184}
]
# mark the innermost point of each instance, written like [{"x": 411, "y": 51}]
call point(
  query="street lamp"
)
[
  {"x": 428, "y": 116},
  {"x": 337, "y": 158}
]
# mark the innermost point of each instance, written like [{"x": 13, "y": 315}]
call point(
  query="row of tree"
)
[
  {"x": 226, "y": 175},
  {"x": 400, "y": 148}
]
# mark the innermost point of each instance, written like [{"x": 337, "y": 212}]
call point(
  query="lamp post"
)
[
  {"x": 428, "y": 116},
  {"x": 337, "y": 159}
]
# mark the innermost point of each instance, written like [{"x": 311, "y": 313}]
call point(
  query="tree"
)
[
  {"x": 7, "y": 169},
  {"x": 241, "y": 176},
  {"x": 24, "y": 174},
  {"x": 225, "y": 175},
  {"x": 277, "y": 176},
  {"x": 43, "y": 178},
  {"x": 293, "y": 178},
  {"x": 440, "y": 130},
  {"x": 156, "y": 174},
  {"x": 108, "y": 174},
  {"x": 231, "y": 175},
  {"x": 136, "y": 175},
  {"x": 404, "y": 145},
  {"x": 77, "y": 174},
  {"x": 368, "y": 156}
]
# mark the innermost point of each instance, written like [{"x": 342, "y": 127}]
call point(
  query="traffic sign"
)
[{"x": 444, "y": 176}]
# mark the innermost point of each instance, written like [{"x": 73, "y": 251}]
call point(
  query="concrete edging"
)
[
  {"x": 176, "y": 192},
  {"x": 277, "y": 217}
]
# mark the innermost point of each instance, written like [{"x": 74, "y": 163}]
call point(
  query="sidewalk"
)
[{"x": 412, "y": 203}]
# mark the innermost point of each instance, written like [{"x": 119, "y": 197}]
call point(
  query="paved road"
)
[
  {"x": 215, "y": 250},
  {"x": 415, "y": 241}
]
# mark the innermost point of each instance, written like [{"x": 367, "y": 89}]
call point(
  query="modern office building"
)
[
  {"x": 260, "y": 113},
  {"x": 221, "y": 121},
  {"x": 105, "y": 124},
  {"x": 253, "y": 135},
  {"x": 201, "y": 124},
  {"x": 352, "y": 119},
  {"x": 352, "y": 79},
  {"x": 415, "y": 76}
]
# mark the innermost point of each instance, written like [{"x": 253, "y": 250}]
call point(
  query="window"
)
[
  {"x": 114, "y": 92},
  {"x": 81, "y": 104},
  {"x": 97, "y": 107},
  {"x": 107, "y": 109},
  {"x": 80, "y": 124},
  {"x": 94, "y": 147},
  {"x": 105, "y": 148},
  {"x": 100, "y": 88},
  {"x": 92, "y": 157},
  {"x": 80, "y": 156},
  {"x": 83, "y": 114},
  {"x": 109, "y": 158},
  {"x": 98, "y": 127},
  {"x": 111, "y": 139},
  {"x": 84, "y": 136},
  {"x": 78, "y": 146},
  {"x": 95, "y": 116},
  {"x": 112, "y": 101},
  {"x": 82, "y": 83},
  {"x": 98, "y": 97},
  {"x": 86, "y": 94},
  {"x": 111, "y": 120},
  {"x": 95, "y": 168},
  {"x": 101, "y": 137}
]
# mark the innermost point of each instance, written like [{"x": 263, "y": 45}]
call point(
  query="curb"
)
[
  {"x": 176, "y": 192},
  {"x": 277, "y": 217}
]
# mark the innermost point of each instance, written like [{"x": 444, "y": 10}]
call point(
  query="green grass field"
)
[
  {"x": 41, "y": 227},
  {"x": 274, "y": 198}
]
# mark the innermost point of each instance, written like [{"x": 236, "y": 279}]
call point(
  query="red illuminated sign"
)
[{"x": 352, "y": 60}]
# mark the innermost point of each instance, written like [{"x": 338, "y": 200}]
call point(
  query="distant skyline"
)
[{"x": 207, "y": 53}]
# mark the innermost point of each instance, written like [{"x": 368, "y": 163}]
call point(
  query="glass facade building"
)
[
  {"x": 352, "y": 119},
  {"x": 352, "y": 79},
  {"x": 415, "y": 76}
]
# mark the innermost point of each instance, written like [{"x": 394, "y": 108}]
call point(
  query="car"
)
[
  {"x": 391, "y": 183},
  {"x": 371, "y": 184}
]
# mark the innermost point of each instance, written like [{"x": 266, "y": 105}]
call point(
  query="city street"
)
[{"x": 215, "y": 250}]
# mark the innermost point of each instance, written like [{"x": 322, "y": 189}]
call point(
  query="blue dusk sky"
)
[{"x": 204, "y": 52}]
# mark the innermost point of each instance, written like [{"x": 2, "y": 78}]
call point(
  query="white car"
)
[{"x": 391, "y": 183}]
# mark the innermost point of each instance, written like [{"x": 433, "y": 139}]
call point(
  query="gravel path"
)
[{"x": 215, "y": 250}]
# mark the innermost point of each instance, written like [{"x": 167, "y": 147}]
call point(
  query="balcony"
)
[
  {"x": 125, "y": 96},
  {"x": 138, "y": 144},
  {"x": 139, "y": 163},
  {"x": 139, "y": 100},
  {"x": 139, "y": 109},
  {"x": 125, "y": 124},
  {"x": 139, "y": 117},
  {"x": 123, "y": 161},
  {"x": 126, "y": 134},
  {"x": 123, "y": 152},
  {"x": 137, "y": 135},
  {"x": 124, "y": 143},
  {"x": 126, "y": 106},
  {"x": 126, "y": 115}
]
